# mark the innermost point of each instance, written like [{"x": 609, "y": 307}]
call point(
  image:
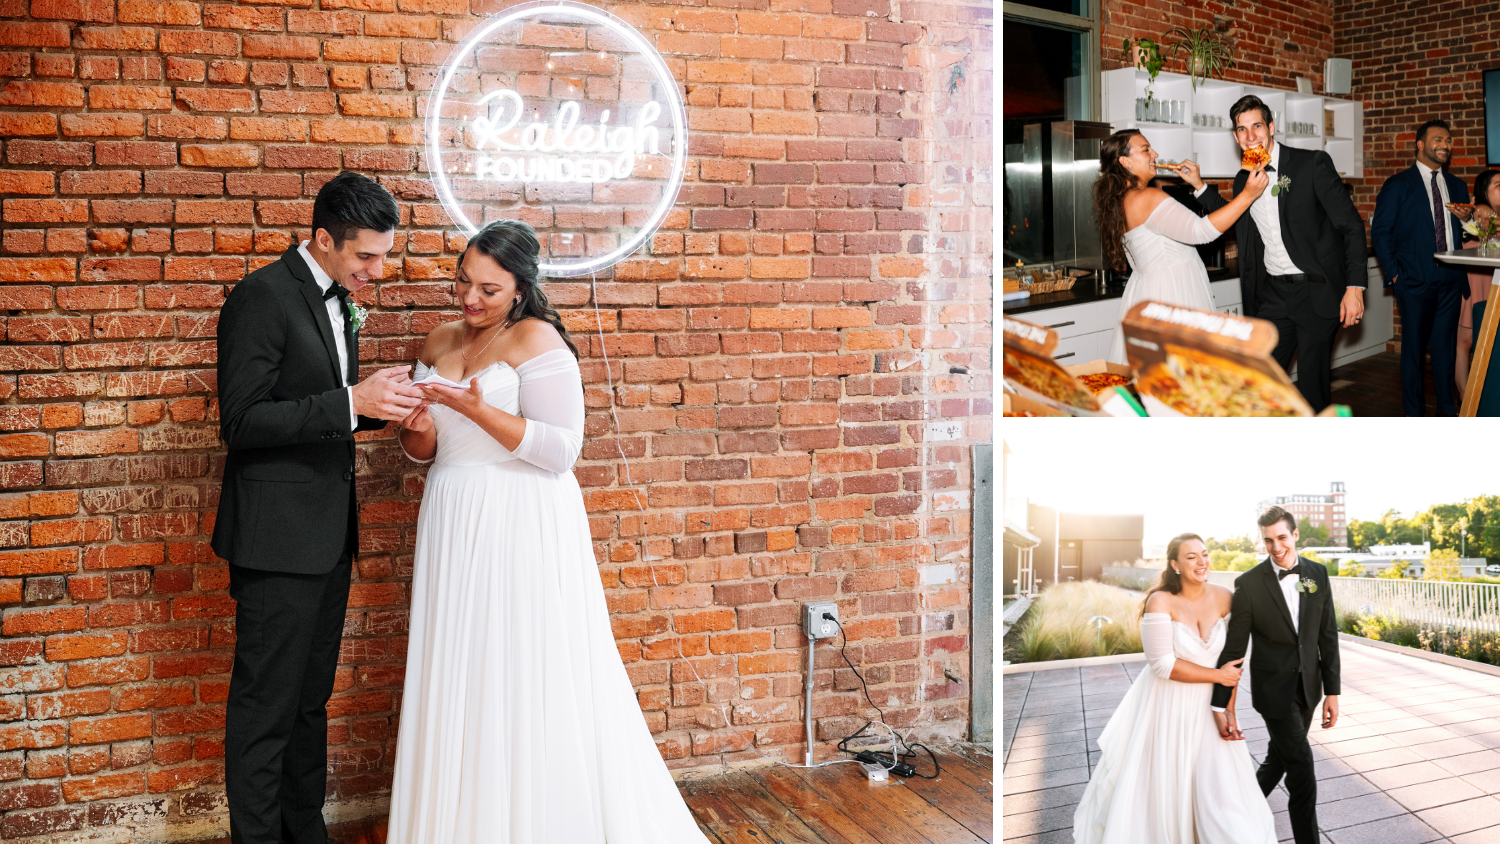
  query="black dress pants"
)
[
  {"x": 1289, "y": 305},
  {"x": 288, "y": 629},
  {"x": 1429, "y": 320},
  {"x": 1291, "y": 756}
]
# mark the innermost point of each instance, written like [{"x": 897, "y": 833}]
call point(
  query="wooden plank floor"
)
[{"x": 832, "y": 805}]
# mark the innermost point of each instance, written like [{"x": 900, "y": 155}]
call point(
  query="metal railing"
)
[
  {"x": 1473, "y": 606},
  {"x": 1130, "y": 577}
]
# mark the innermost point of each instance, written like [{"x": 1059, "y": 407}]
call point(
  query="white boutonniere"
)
[
  {"x": 1283, "y": 185},
  {"x": 357, "y": 316},
  {"x": 1307, "y": 585}
]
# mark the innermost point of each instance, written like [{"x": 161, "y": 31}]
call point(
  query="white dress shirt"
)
[
  {"x": 1442, "y": 191},
  {"x": 1288, "y": 586},
  {"x": 1266, "y": 212},
  {"x": 337, "y": 316}
]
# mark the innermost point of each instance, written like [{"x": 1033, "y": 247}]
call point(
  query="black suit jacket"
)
[
  {"x": 288, "y": 502},
  {"x": 1283, "y": 656},
  {"x": 1320, "y": 227}
]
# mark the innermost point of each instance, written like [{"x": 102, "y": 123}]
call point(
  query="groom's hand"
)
[
  {"x": 1353, "y": 305},
  {"x": 1228, "y": 726},
  {"x": 1330, "y": 711},
  {"x": 388, "y": 394}
]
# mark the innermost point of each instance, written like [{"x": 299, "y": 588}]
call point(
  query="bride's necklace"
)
[{"x": 503, "y": 328}]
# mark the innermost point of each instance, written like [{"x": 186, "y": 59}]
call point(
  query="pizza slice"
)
[
  {"x": 1460, "y": 209},
  {"x": 1255, "y": 157}
]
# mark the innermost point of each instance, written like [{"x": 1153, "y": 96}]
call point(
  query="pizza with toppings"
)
[
  {"x": 1196, "y": 383},
  {"x": 1048, "y": 379},
  {"x": 1460, "y": 209},
  {"x": 1255, "y": 157},
  {"x": 1103, "y": 381}
]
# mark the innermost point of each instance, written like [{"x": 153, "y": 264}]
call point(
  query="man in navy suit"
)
[{"x": 1411, "y": 223}]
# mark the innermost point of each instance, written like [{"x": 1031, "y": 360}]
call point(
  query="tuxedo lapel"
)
[
  {"x": 1273, "y": 583},
  {"x": 313, "y": 295},
  {"x": 1284, "y": 202}
]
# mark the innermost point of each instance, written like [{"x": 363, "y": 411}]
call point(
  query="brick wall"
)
[
  {"x": 1273, "y": 41},
  {"x": 819, "y": 295},
  {"x": 1410, "y": 67}
]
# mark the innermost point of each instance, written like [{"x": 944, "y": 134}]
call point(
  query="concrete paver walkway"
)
[{"x": 1415, "y": 757}]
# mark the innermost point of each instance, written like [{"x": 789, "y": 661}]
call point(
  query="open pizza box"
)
[
  {"x": 1099, "y": 367},
  {"x": 1032, "y": 374},
  {"x": 1189, "y": 362},
  {"x": 1013, "y": 405}
]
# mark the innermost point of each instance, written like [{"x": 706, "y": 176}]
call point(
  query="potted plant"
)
[
  {"x": 1206, "y": 54},
  {"x": 1145, "y": 54}
]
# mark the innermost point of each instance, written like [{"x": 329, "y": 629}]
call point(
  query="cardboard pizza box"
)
[
  {"x": 1189, "y": 362},
  {"x": 1017, "y": 406}
]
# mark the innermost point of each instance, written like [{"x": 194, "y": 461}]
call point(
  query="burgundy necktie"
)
[{"x": 1439, "y": 222}]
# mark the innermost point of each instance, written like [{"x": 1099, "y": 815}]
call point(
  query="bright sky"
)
[{"x": 1206, "y": 476}]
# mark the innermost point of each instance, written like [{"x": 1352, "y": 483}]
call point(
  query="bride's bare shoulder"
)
[
  {"x": 1140, "y": 203},
  {"x": 1159, "y": 602},
  {"x": 1222, "y": 594},
  {"x": 441, "y": 340}
]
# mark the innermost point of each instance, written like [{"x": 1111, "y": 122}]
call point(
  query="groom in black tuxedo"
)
[
  {"x": 290, "y": 402},
  {"x": 1286, "y": 605},
  {"x": 1302, "y": 250}
]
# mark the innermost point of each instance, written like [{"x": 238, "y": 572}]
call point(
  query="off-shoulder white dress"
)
[
  {"x": 1165, "y": 265},
  {"x": 1164, "y": 775},
  {"x": 518, "y": 722}
]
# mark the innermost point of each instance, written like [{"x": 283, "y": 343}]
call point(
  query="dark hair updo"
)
[{"x": 514, "y": 246}]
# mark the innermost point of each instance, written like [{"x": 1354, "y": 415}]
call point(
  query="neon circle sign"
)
[{"x": 564, "y": 116}]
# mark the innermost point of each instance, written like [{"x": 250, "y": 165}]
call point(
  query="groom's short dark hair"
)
[
  {"x": 1431, "y": 124},
  {"x": 1274, "y": 514},
  {"x": 1249, "y": 102},
  {"x": 350, "y": 201}
]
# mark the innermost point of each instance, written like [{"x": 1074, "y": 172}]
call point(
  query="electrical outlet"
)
[{"x": 813, "y": 622}]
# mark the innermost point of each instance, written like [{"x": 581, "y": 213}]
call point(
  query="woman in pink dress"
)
[{"x": 1486, "y": 201}]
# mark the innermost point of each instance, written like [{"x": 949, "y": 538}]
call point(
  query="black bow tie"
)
[
  {"x": 1283, "y": 573},
  {"x": 1270, "y": 169},
  {"x": 337, "y": 290}
]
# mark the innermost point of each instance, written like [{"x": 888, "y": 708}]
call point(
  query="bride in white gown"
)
[
  {"x": 1154, "y": 233},
  {"x": 1164, "y": 775},
  {"x": 518, "y": 723}
]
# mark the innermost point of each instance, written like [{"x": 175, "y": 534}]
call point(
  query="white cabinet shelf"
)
[{"x": 1213, "y": 147}]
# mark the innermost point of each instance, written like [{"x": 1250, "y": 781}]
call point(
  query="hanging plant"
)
[
  {"x": 1205, "y": 53},
  {"x": 1145, "y": 54}
]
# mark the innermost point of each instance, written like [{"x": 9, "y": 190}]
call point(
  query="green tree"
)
[
  {"x": 1364, "y": 534},
  {"x": 1234, "y": 543},
  {"x": 1441, "y": 564},
  {"x": 1349, "y": 568},
  {"x": 1310, "y": 536},
  {"x": 1395, "y": 572},
  {"x": 1222, "y": 560}
]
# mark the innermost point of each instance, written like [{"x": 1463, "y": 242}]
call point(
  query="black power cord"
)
[{"x": 908, "y": 751}]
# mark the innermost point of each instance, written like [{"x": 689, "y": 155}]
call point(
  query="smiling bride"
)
[{"x": 519, "y": 724}]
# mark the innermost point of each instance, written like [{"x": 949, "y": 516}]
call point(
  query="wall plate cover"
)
[{"x": 814, "y": 624}]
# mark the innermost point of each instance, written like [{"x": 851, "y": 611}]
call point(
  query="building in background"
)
[
  {"x": 1077, "y": 546},
  {"x": 1325, "y": 511},
  {"x": 1381, "y": 557}
]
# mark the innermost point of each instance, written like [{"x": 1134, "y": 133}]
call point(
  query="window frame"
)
[{"x": 1087, "y": 26}]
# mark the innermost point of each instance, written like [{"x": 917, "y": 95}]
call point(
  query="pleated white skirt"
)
[{"x": 518, "y": 723}]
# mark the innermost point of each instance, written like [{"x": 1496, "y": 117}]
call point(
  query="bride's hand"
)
[
  {"x": 1228, "y": 726},
  {"x": 1229, "y": 673},
  {"x": 1257, "y": 182},
  {"x": 419, "y": 420},
  {"x": 470, "y": 402}
]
